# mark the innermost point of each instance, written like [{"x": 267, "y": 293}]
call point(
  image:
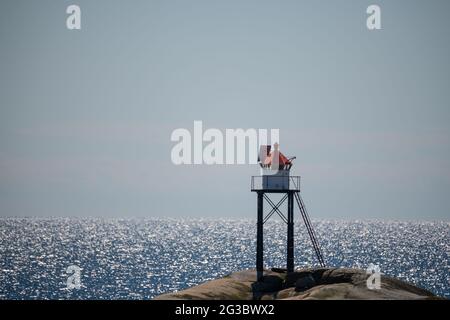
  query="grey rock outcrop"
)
[{"x": 303, "y": 284}]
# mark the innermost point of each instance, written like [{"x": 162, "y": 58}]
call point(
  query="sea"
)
[{"x": 96, "y": 258}]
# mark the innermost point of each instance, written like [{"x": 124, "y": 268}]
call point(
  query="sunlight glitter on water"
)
[{"x": 141, "y": 258}]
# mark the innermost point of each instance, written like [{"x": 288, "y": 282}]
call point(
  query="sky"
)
[{"x": 86, "y": 115}]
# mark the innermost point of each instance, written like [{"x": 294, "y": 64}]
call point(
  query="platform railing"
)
[{"x": 275, "y": 183}]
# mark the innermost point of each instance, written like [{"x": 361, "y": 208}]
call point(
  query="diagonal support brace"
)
[{"x": 275, "y": 208}]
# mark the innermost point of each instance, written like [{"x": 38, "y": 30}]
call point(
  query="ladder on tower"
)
[{"x": 310, "y": 229}]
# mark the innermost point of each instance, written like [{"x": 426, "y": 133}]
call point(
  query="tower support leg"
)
[
  {"x": 290, "y": 233},
  {"x": 259, "y": 238}
]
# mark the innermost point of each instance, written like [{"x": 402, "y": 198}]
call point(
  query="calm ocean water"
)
[{"x": 141, "y": 258}]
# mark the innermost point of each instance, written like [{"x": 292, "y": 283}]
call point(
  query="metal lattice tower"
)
[{"x": 275, "y": 178}]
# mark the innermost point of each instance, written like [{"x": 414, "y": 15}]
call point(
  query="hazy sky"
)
[{"x": 86, "y": 116}]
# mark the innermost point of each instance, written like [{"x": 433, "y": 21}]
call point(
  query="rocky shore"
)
[{"x": 303, "y": 284}]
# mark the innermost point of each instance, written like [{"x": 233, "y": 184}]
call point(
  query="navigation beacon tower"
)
[{"x": 275, "y": 178}]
